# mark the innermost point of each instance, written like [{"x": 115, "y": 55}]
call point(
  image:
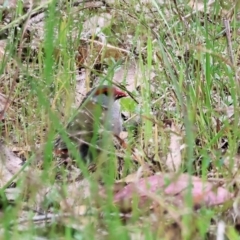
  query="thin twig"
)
[{"x": 229, "y": 42}]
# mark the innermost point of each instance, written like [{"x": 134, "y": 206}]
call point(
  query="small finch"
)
[{"x": 98, "y": 115}]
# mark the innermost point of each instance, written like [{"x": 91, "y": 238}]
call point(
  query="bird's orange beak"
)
[{"x": 119, "y": 94}]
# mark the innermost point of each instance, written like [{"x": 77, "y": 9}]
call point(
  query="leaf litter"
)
[{"x": 156, "y": 191}]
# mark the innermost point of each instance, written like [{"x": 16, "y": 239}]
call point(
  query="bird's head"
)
[
  {"x": 108, "y": 91},
  {"x": 106, "y": 95}
]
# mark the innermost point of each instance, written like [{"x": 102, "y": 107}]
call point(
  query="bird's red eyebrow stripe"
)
[{"x": 101, "y": 91}]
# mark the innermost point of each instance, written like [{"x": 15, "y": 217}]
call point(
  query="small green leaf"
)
[{"x": 128, "y": 104}]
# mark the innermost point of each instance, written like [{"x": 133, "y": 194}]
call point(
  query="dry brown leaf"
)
[
  {"x": 3, "y": 101},
  {"x": 80, "y": 90},
  {"x": 36, "y": 27},
  {"x": 157, "y": 187},
  {"x": 150, "y": 1},
  {"x": 143, "y": 171},
  {"x": 8, "y": 3},
  {"x": 230, "y": 111},
  {"x": 13, "y": 3},
  {"x": 10, "y": 164},
  {"x": 90, "y": 4},
  {"x": 174, "y": 159},
  {"x": 3, "y": 44},
  {"x": 199, "y": 5},
  {"x": 131, "y": 75},
  {"x": 21, "y": 151},
  {"x": 128, "y": 74},
  {"x": 142, "y": 2},
  {"x": 94, "y": 24},
  {"x": 12, "y": 193},
  {"x": 76, "y": 193}
]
